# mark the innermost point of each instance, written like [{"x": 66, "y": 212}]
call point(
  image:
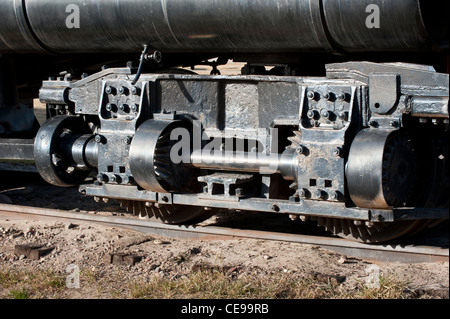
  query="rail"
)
[{"x": 385, "y": 253}]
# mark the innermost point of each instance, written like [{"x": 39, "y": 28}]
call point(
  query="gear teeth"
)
[
  {"x": 294, "y": 139},
  {"x": 347, "y": 228},
  {"x": 163, "y": 149}
]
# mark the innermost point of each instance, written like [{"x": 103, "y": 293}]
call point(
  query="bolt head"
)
[
  {"x": 394, "y": 123},
  {"x": 123, "y": 90},
  {"x": 311, "y": 95},
  {"x": 98, "y": 138},
  {"x": 302, "y": 193},
  {"x": 304, "y": 218},
  {"x": 325, "y": 113},
  {"x": 337, "y": 151},
  {"x": 109, "y": 90},
  {"x": 300, "y": 149},
  {"x": 134, "y": 90}
]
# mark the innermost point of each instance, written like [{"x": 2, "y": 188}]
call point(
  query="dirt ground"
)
[{"x": 88, "y": 247}]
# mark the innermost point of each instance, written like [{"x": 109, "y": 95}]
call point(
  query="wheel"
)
[{"x": 51, "y": 158}]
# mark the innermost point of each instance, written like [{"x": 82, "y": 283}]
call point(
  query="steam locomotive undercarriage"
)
[{"x": 363, "y": 151}]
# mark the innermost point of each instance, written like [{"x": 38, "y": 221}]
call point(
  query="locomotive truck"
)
[{"x": 339, "y": 113}]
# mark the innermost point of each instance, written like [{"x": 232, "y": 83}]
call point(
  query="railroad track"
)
[{"x": 386, "y": 253}]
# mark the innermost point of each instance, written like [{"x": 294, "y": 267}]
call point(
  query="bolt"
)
[
  {"x": 165, "y": 199},
  {"x": 312, "y": 114},
  {"x": 394, "y": 123},
  {"x": 134, "y": 107},
  {"x": 128, "y": 140},
  {"x": 329, "y": 96},
  {"x": 108, "y": 107},
  {"x": 123, "y": 90},
  {"x": 334, "y": 195},
  {"x": 370, "y": 224},
  {"x": 342, "y": 115},
  {"x": 302, "y": 193},
  {"x": 423, "y": 120},
  {"x": 293, "y": 216},
  {"x": 110, "y": 90},
  {"x": 135, "y": 90},
  {"x": 112, "y": 179},
  {"x": 319, "y": 194},
  {"x": 239, "y": 192},
  {"x": 325, "y": 113},
  {"x": 304, "y": 218},
  {"x": 337, "y": 151},
  {"x": 311, "y": 95},
  {"x": 342, "y": 96},
  {"x": 99, "y": 139},
  {"x": 357, "y": 222},
  {"x": 100, "y": 177},
  {"x": 300, "y": 149}
]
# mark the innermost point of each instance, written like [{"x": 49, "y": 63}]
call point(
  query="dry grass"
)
[
  {"x": 199, "y": 284},
  {"x": 17, "y": 284},
  {"x": 218, "y": 285}
]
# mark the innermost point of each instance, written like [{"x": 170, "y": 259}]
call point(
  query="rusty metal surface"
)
[{"x": 385, "y": 253}]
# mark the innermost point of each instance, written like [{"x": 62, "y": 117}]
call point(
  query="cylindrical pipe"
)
[{"x": 221, "y": 26}]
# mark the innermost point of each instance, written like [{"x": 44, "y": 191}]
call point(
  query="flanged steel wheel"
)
[{"x": 51, "y": 158}]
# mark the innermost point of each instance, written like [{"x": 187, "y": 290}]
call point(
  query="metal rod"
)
[{"x": 246, "y": 162}]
